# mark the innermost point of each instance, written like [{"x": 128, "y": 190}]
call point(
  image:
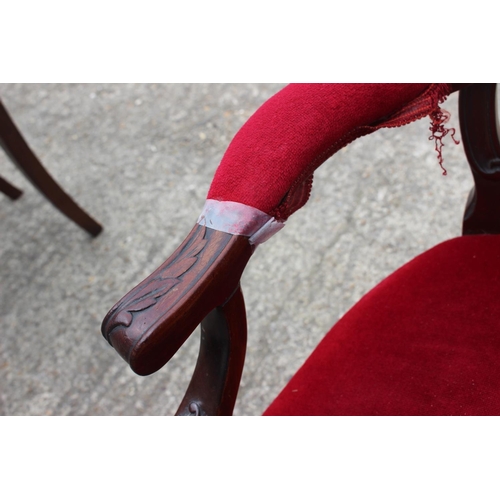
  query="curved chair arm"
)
[{"x": 216, "y": 379}]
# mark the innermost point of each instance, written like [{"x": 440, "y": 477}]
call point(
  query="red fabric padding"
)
[
  {"x": 425, "y": 341},
  {"x": 270, "y": 162}
]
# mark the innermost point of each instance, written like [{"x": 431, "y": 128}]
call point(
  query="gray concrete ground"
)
[{"x": 140, "y": 159}]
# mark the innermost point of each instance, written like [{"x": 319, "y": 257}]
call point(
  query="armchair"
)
[{"x": 424, "y": 341}]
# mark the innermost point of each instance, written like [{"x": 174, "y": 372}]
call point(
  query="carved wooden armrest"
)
[
  {"x": 151, "y": 322},
  {"x": 199, "y": 283}
]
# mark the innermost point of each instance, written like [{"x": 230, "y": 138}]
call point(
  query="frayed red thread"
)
[{"x": 438, "y": 118}]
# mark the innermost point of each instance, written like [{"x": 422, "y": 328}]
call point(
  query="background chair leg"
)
[
  {"x": 18, "y": 150},
  {"x": 8, "y": 189}
]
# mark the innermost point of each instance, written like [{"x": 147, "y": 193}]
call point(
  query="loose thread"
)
[{"x": 438, "y": 132}]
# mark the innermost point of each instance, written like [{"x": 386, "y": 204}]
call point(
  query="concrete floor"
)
[{"x": 139, "y": 158}]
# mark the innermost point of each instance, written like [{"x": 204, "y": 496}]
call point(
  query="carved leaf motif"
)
[
  {"x": 122, "y": 318},
  {"x": 151, "y": 296},
  {"x": 187, "y": 259},
  {"x": 160, "y": 285},
  {"x": 178, "y": 268},
  {"x": 197, "y": 246}
]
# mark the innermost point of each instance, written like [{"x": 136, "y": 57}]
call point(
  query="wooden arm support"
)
[
  {"x": 216, "y": 379},
  {"x": 149, "y": 324}
]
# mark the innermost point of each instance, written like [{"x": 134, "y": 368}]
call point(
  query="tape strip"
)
[{"x": 235, "y": 218}]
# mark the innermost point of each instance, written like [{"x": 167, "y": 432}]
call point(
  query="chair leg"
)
[
  {"x": 8, "y": 189},
  {"x": 20, "y": 153}
]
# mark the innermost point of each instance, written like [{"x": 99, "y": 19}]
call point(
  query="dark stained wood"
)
[
  {"x": 480, "y": 136},
  {"x": 8, "y": 189},
  {"x": 216, "y": 379},
  {"x": 149, "y": 324},
  {"x": 23, "y": 157}
]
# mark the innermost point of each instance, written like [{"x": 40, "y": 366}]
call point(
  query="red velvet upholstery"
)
[
  {"x": 278, "y": 149},
  {"x": 425, "y": 341}
]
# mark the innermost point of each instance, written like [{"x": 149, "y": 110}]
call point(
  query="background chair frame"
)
[{"x": 23, "y": 157}]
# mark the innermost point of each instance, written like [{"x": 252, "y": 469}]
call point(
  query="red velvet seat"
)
[{"x": 425, "y": 341}]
